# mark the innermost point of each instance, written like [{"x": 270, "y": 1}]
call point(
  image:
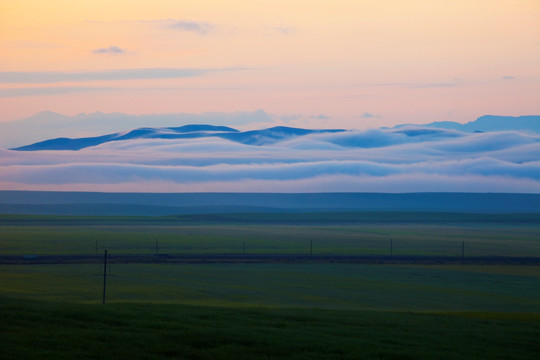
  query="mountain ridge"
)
[
  {"x": 487, "y": 123},
  {"x": 252, "y": 137}
]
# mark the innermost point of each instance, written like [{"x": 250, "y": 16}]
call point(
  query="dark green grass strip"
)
[
  {"x": 277, "y": 218},
  {"x": 48, "y": 330}
]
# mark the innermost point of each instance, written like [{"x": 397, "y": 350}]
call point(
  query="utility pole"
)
[
  {"x": 244, "y": 248},
  {"x": 104, "y": 275},
  {"x": 96, "y": 247},
  {"x": 463, "y": 250},
  {"x": 157, "y": 243},
  {"x": 391, "y": 247},
  {"x": 311, "y": 249}
]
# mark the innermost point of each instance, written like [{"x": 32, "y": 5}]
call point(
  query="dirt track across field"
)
[{"x": 268, "y": 258}]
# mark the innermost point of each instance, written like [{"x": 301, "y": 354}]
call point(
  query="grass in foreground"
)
[
  {"x": 50, "y": 330},
  {"x": 331, "y": 286}
]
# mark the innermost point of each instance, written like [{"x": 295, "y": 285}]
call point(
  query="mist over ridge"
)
[
  {"x": 48, "y": 125},
  {"x": 209, "y": 158}
]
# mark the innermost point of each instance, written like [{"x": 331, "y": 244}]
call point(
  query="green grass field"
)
[
  {"x": 507, "y": 288},
  {"x": 44, "y": 330},
  {"x": 270, "y": 310},
  {"x": 353, "y": 234}
]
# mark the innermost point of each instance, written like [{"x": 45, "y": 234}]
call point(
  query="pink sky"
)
[{"x": 358, "y": 63}]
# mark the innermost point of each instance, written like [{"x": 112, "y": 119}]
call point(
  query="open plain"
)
[{"x": 268, "y": 286}]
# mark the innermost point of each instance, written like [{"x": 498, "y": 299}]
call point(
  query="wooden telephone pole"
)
[{"x": 104, "y": 275}]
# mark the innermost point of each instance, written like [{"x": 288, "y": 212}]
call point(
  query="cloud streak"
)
[
  {"x": 46, "y": 77},
  {"x": 197, "y": 27},
  {"x": 418, "y": 85},
  {"x": 368, "y": 115},
  {"x": 114, "y": 50},
  {"x": 55, "y": 90}
]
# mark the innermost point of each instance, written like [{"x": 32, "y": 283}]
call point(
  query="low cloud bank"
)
[{"x": 405, "y": 160}]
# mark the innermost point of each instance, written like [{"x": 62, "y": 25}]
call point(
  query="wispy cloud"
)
[
  {"x": 419, "y": 85},
  {"x": 320, "y": 117},
  {"x": 52, "y": 90},
  {"x": 368, "y": 115},
  {"x": 508, "y": 77},
  {"x": 112, "y": 50},
  {"x": 44, "y": 77},
  {"x": 197, "y": 27},
  {"x": 22, "y": 44},
  {"x": 434, "y": 85}
]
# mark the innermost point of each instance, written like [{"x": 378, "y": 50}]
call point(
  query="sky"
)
[
  {"x": 87, "y": 68},
  {"x": 315, "y": 64}
]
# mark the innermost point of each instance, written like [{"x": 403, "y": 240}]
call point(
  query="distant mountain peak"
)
[
  {"x": 46, "y": 116},
  {"x": 488, "y": 123}
]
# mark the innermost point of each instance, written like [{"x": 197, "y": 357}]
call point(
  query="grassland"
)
[
  {"x": 274, "y": 310},
  {"x": 277, "y": 285},
  {"x": 43, "y": 330},
  {"x": 342, "y": 234}
]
